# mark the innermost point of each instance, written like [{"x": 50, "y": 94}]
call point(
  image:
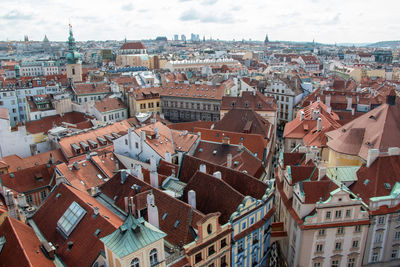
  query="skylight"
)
[{"x": 70, "y": 219}]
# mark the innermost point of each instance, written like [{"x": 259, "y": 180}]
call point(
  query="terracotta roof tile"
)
[
  {"x": 133, "y": 45},
  {"x": 257, "y": 102},
  {"x": 173, "y": 209},
  {"x": 109, "y": 104},
  {"x": 17, "y": 163},
  {"x": 22, "y": 247},
  {"x": 86, "y": 245}
]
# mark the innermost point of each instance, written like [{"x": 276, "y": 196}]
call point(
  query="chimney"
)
[
  {"x": 328, "y": 100},
  {"x": 391, "y": 98},
  {"x": 154, "y": 179},
  {"x": 309, "y": 156},
  {"x": 394, "y": 151},
  {"x": 152, "y": 210},
  {"x": 168, "y": 157},
  {"x": 321, "y": 172},
  {"x": 142, "y": 140},
  {"x": 329, "y": 110},
  {"x": 51, "y": 159},
  {"x": 123, "y": 176},
  {"x": 157, "y": 131},
  {"x": 126, "y": 204},
  {"x": 373, "y": 154},
  {"x": 319, "y": 124},
  {"x": 353, "y": 111},
  {"x": 139, "y": 173},
  {"x": 116, "y": 165},
  {"x": 75, "y": 165},
  {"x": 153, "y": 164},
  {"x": 22, "y": 200},
  {"x": 349, "y": 102},
  {"x": 192, "y": 198},
  {"x": 217, "y": 174},
  {"x": 132, "y": 206},
  {"x": 229, "y": 161},
  {"x": 96, "y": 211},
  {"x": 312, "y": 114},
  {"x": 203, "y": 168},
  {"x": 302, "y": 115}
]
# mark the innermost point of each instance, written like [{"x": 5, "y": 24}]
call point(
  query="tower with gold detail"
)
[{"x": 74, "y": 64}]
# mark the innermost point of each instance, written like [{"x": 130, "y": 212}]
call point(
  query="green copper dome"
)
[{"x": 72, "y": 56}]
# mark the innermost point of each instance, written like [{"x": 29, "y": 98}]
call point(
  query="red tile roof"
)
[
  {"x": 29, "y": 179},
  {"x": 22, "y": 247},
  {"x": 133, "y": 45},
  {"x": 109, "y": 104},
  {"x": 173, "y": 208},
  {"x": 201, "y": 91},
  {"x": 315, "y": 191},
  {"x": 4, "y": 114},
  {"x": 246, "y": 121},
  {"x": 86, "y": 245},
  {"x": 306, "y": 129},
  {"x": 379, "y": 128},
  {"x": 91, "y": 134},
  {"x": 242, "y": 160},
  {"x": 257, "y": 102},
  {"x": 371, "y": 181},
  {"x": 91, "y": 88},
  {"x": 214, "y": 195},
  {"x": 243, "y": 183},
  {"x": 46, "y": 123},
  {"x": 17, "y": 163}
]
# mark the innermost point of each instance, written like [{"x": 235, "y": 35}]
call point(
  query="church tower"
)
[{"x": 74, "y": 64}]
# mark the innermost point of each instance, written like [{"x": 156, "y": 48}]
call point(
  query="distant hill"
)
[{"x": 391, "y": 44}]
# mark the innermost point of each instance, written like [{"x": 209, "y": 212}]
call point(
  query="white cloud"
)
[{"x": 334, "y": 21}]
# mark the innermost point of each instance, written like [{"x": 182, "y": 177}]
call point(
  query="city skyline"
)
[{"x": 355, "y": 22}]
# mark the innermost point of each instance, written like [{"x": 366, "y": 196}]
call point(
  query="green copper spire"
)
[{"x": 73, "y": 56}]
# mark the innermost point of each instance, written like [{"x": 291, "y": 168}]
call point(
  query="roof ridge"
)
[{"x": 18, "y": 239}]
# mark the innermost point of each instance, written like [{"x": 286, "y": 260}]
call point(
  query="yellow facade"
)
[
  {"x": 340, "y": 159},
  {"x": 142, "y": 254},
  {"x": 133, "y": 60},
  {"x": 74, "y": 72},
  {"x": 357, "y": 73},
  {"x": 144, "y": 105}
]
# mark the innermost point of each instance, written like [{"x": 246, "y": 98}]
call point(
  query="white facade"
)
[
  {"x": 285, "y": 99},
  {"x": 16, "y": 142}
]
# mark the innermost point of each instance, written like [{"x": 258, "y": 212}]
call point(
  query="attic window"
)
[
  {"x": 246, "y": 104},
  {"x": 366, "y": 182},
  {"x": 372, "y": 117},
  {"x": 176, "y": 224},
  {"x": 200, "y": 149},
  {"x": 236, "y": 163},
  {"x": 70, "y": 219},
  {"x": 164, "y": 216},
  {"x": 387, "y": 186},
  {"x": 214, "y": 152},
  {"x": 58, "y": 195},
  {"x": 97, "y": 232},
  {"x": 233, "y": 104}
]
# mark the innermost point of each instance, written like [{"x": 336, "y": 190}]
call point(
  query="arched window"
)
[
  {"x": 135, "y": 262},
  {"x": 153, "y": 257}
]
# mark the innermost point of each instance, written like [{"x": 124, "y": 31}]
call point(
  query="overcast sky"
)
[{"x": 326, "y": 21}]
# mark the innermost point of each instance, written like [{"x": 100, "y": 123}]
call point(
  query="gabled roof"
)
[
  {"x": 379, "y": 179},
  {"x": 315, "y": 191},
  {"x": 170, "y": 209},
  {"x": 379, "y": 128},
  {"x": 214, "y": 195},
  {"x": 86, "y": 245},
  {"x": 306, "y": 129},
  {"x": 109, "y": 104},
  {"x": 92, "y": 134},
  {"x": 255, "y": 143},
  {"x": 46, "y": 123},
  {"x": 257, "y": 102},
  {"x": 241, "y": 182},
  {"x": 133, "y": 45},
  {"x": 242, "y": 160},
  {"x": 91, "y": 88},
  {"x": 29, "y": 179},
  {"x": 21, "y": 247},
  {"x": 132, "y": 235},
  {"x": 17, "y": 163},
  {"x": 246, "y": 121}
]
